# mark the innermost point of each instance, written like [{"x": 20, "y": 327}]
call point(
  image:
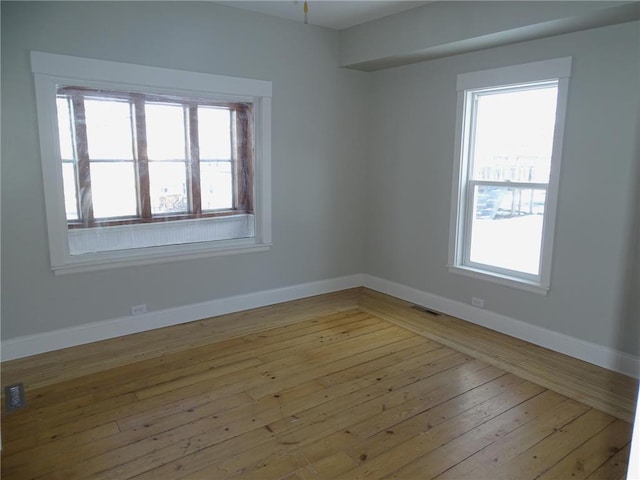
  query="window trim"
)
[
  {"x": 554, "y": 69},
  {"x": 51, "y": 70}
]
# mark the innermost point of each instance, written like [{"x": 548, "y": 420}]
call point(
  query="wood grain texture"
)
[
  {"x": 598, "y": 387},
  {"x": 349, "y": 385},
  {"x": 51, "y": 367}
]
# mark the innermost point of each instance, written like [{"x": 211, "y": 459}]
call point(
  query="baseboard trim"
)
[
  {"x": 574, "y": 347},
  {"x": 605, "y": 357},
  {"x": 29, "y": 345}
]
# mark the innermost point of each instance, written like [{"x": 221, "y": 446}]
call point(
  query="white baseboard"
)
[
  {"x": 92, "y": 332},
  {"x": 574, "y": 347}
]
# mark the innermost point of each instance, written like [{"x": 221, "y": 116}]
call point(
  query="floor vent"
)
[
  {"x": 14, "y": 397},
  {"x": 426, "y": 310}
]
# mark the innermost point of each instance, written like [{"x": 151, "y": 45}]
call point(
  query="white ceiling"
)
[{"x": 335, "y": 14}]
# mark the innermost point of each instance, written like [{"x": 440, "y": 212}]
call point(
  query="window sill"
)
[
  {"x": 87, "y": 241},
  {"x": 103, "y": 248},
  {"x": 505, "y": 280},
  {"x": 154, "y": 255}
]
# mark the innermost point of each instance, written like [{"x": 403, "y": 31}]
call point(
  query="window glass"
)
[
  {"x": 109, "y": 135},
  {"x": 506, "y": 230},
  {"x": 64, "y": 129},
  {"x": 513, "y": 134},
  {"x": 168, "y": 187},
  {"x": 113, "y": 189},
  {"x": 70, "y": 190},
  {"x": 216, "y": 185},
  {"x": 214, "y": 132},
  {"x": 65, "y": 138},
  {"x": 165, "y": 131}
]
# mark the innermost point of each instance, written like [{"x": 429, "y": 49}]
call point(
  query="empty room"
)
[{"x": 320, "y": 239}]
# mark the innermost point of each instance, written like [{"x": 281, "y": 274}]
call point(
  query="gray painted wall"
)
[
  {"x": 437, "y": 28},
  {"x": 317, "y": 155},
  {"x": 630, "y": 326},
  {"x": 362, "y": 167},
  {"x": 410, "y": 178}
]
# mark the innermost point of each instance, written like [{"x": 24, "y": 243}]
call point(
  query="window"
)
[
  {"x": 509, "y": 139},
  {"x": 135, "y": 158},
  {"x": 143, "y": 164}
]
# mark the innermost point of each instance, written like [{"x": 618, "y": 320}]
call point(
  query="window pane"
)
[
  {"x": 214, "y": 132},
  {"x": 113, "y": 189},
  {"x": 109, "y": 129},
  {"x": 165, "y": 131},
  {"x": 168, "y": 185},
  {"x": 216, "y": 186},
  {"x": 70, "y": 190},
  {"x": 64, "y": 129},
  {"x": 514, "y": 134},
  {"x": 506, "y": 229}
]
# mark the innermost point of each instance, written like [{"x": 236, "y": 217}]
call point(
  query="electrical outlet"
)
[
  {"x": 14, "y": 397},
  {"x": 139, "y": 309},
  {"x": 477, "y": 302}
]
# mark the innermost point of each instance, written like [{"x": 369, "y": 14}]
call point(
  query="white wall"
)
[
  {"x": 317, "y": 156},
  {"x": 410, "y": 180}
]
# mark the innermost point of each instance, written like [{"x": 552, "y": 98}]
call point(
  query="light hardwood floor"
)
[{"x": 348, "y": 385}]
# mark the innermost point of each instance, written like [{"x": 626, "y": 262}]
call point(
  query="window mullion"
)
[
  {"x": 74, "y": 156},
  {"x": 84, "y": 166},
  {"x": 142, "y": 159},
  {"x": 244, "y": 164},
  {"x": 193, "y": 181}
]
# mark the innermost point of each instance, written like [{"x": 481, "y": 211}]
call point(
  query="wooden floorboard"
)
[
  {"x": 43, "y": 369},
  {"x": 600, "y": 388},
  {"x": 346, "y": 386}
]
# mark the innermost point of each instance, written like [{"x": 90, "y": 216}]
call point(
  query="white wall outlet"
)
[
  {"x": 139, "y": 309},
  {"x": 477, "y": 302}
]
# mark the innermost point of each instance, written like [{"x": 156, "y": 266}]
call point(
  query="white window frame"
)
[
  {"x": 558, "y": 69},
  {"x": 51, "y": 70}
]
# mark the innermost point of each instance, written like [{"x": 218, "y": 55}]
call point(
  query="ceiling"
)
[{"x": 335, "y": 14}]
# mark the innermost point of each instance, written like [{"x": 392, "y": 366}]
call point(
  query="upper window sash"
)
[{"x": 472, "y": 98}]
